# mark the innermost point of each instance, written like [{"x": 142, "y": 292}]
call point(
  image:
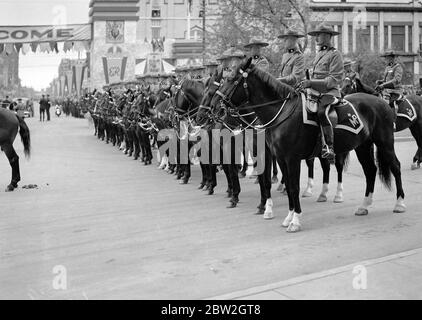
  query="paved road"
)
[{"x": 123, "y": 230}]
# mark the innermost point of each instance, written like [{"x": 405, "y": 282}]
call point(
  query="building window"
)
[
  {"x": 397, "y": 38},
  {"x": 410, "y": 48},
  {"x": 156, "y": 13},
  {"x": 350, "y": 37},
  {"x": 363, "y": 40},
  {"x": 179, "y": 1},
  {"x": 156, "y": 33},
  {"x": 340, "y": 37},
  {"x": 201, "y": 13},
  {"x": 386, "y": 37},
  {"x": 376, "y": 39}
]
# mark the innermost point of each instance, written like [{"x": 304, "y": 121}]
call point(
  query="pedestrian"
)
[
  {"x": 42, "y": 108},
  {"x": 47, "y": 107}
]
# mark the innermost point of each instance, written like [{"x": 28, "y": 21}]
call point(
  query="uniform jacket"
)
[
  {"x": 328, "y": 65},
  {"x": 261, "y": 62},
  {"x": 292, "y": 67},
  {"x": 394, "y": 74}
]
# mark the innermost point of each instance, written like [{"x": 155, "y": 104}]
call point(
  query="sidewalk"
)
[{"x": 397, "y": 276}]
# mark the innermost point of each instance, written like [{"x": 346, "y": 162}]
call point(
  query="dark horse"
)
[
  {"x": 292, "y": 140},
  {"x": 415, "y": 126},
  {"x": 210, "y": 119},
  {"x": 10, "y": 123}
]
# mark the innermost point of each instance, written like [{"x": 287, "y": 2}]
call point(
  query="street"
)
[{"x": 122, "y": 230}]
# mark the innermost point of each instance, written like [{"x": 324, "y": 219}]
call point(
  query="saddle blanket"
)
[
  {"x": 342, "y": 116},
  {"x": 405, "y": 109}
]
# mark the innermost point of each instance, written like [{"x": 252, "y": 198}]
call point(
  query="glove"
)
[
  {"x": 379, "y": 88},
  {"x": 303, "y": 85}
]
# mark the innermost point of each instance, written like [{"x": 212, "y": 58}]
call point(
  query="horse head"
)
[{"x": 204, "y": 111}]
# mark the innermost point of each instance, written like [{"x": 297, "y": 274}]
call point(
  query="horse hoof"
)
[
  {"x": 286, "y": 222},
  {"x": 293, "y": 228},
  {"x": 361, "y": 212},
  {"x": 210, "y": 192},
  {"x": 9, "y": 188},
  {"x": 232, "y": 205},
  {"x": 242, "y": 175},
  {"x": 201, "y": 186},
  {"x": 183, "y": 182},
  {"x": 274, "y": 180},
  {"x": 338, "y": 199},
  {"x": 307, "y": 194},
  {"x": 399, "y": 208},
  {"x": 415, "y": 166},
  {"x": 261, "y": 211},
  {"x": 322, "y": 198},
  {"x": 268, "y": 215}
]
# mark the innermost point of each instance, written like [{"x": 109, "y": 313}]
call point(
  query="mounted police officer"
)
[
  {"x": 327, "y": 76},
  {"x": 211, "y": 67},
  {"x": 391, "y": 84},
  {"x": 349, "y": 72},
  {"x": 292, "y": 63},
  {"x": 230, "y": 60},
  {"x": 254, "y": 50}
]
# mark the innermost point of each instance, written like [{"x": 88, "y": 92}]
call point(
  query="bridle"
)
[{"x": 233, "y": 109}]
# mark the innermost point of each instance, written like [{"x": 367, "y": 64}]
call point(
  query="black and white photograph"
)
[{"x": 217, "y": 154}]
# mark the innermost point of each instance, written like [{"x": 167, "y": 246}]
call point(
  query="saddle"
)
[{"x": 341, "y": 112}]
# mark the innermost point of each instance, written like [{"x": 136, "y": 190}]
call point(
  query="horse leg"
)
[
  {"x": 340, "y": 159},
  {"x": 416, "y": 131},
  {"x": 325, "y": 165},
  {"x": 267, "y": 182},
  {"x": 14, "y": 164},
  {"x": 388, "y": 163},
  {"x": 293, "y": 168},
  {"x": 365, "y": 154},
  {"x": 308, "y": 191},
  {"x": 229, "y": 181},
  {"x": 274, "y": 178},
  {"x": 234, "y": 175}
]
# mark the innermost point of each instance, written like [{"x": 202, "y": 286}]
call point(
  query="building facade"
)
[
  {"x": 374, "y": 26},
  {"x": 135, "y": 37},
  {"x": 9, "y": 71}
]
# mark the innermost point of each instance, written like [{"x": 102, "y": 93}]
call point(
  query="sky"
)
[{"x": 37, "y": 70}]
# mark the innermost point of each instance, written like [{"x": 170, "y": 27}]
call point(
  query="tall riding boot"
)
[
  {"x": 393, "y": 108},
  {"x": 328, "y": 148}
]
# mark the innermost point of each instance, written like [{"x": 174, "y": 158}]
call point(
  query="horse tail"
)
[
  {"x": 25, "y": 136},
  {"x": 384, "y": 167}
]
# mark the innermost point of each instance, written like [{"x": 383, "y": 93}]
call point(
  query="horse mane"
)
[
  {"x": 197, "y": 84},
  {"x": 279, "y": 88},
  {"x": 364, "y": 87}
]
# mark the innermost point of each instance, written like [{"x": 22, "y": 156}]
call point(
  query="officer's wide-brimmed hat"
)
[
  {"x": 323, "y": 28},
  {"x": 256, "y": 42},
  {"x": 211, "y": 63},
  {"x": 290, "y": 33},
  {"x": 391, "y": 53},
  {"x": 232, "y": 53}
]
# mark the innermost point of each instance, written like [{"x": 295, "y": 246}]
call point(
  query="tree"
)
[{"x": 241, "y": 20}]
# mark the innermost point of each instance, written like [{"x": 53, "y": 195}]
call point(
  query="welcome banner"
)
[{"x": 29, "y": 34}]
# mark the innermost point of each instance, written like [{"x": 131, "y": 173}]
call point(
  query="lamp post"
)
[{"x": 203, "y": 30}]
